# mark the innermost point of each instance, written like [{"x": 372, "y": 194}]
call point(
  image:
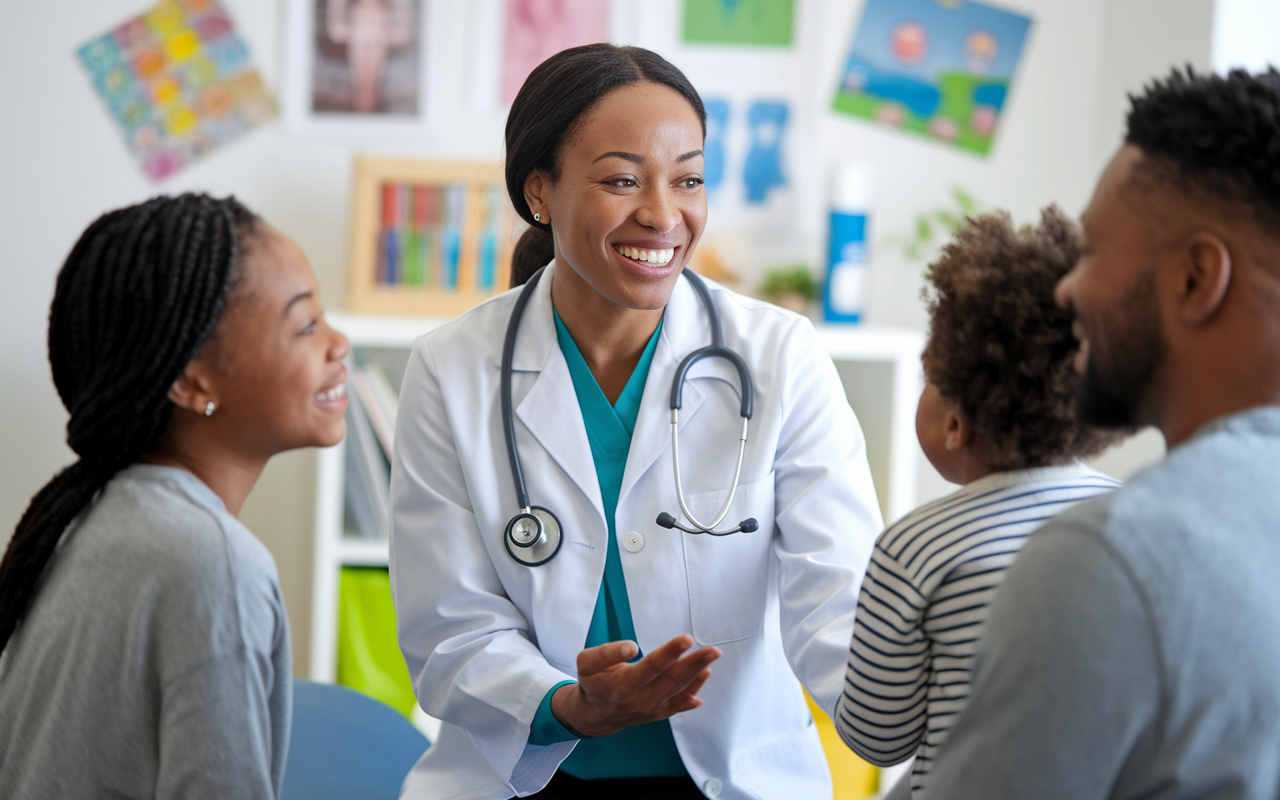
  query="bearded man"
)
[{"x": 1133, "y": 650}]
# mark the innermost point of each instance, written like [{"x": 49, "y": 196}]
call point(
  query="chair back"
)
[{"x": 347, "y": 746}]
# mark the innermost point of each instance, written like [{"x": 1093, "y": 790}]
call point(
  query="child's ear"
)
[
  {"x": 193, "y": 390},
  {"x": 959, "y": 432}
]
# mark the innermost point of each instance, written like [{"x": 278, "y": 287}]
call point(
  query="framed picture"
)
[
  {"x": 934, "y": 69},
  {"x": 356, "y": 67},
  {"x": 428, "y": 238}
]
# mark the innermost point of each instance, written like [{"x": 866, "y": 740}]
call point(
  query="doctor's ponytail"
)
[
  {"x": 546, "y": 112},
  {"x": 139, "y": 294}
]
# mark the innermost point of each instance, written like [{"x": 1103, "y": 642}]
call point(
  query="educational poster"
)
[
  {"x": 746, "y": 155},
  {"x": 365, "y": 57},
  {"x": 178, "y": 82},
  {"x": 754, "y": 23},
  {"x": 535, "y": 30},
  {"x": 937, "y": 68}
]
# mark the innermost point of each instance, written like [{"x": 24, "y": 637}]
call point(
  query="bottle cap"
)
[{"x": 851, "y": 189}]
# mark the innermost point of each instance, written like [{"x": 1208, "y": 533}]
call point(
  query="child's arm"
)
[{"x": 881, "y": 714}]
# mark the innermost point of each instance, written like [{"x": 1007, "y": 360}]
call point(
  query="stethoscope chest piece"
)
[{"x": 533, "y": 536}]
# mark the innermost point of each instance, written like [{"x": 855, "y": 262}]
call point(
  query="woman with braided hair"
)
[{"x": 145, "y": 642}]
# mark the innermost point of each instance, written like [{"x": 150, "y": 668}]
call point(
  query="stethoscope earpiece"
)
[{"x": 667, "y": 521}]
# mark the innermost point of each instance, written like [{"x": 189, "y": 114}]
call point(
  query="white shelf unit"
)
[{"x": 880, "y": 369}]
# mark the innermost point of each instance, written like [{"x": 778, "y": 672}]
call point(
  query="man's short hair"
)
[
  {"x": 1000, "y": 348},
  {"x": 1215, "y": 136}
]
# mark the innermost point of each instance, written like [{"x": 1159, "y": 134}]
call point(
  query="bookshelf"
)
[{"x": 879, "y": 367}]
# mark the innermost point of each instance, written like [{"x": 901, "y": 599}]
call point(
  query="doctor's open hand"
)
[{"x": 611, "y": 694}]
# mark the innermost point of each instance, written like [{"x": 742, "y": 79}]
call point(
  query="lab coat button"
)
[
  {"x": 633, "y": 541},
  {"x": 711, "y": 788}
]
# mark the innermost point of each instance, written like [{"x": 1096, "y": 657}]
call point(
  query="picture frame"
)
[
  {"x": 427, "y": 238},
  {"x": 389, "y": 88}
]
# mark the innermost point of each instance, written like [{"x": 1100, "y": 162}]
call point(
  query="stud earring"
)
[
  {"x": 537, "y": 217},
  {"x": 208, "y": 410}
]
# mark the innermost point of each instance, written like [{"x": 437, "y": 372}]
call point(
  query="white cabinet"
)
[{"x": 880, "y": 369}]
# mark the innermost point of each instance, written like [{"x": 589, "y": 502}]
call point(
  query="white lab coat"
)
[{"x": 485, "y": 637}]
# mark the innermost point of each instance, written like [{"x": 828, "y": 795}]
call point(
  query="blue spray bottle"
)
[{"x": 844, "y": 296}]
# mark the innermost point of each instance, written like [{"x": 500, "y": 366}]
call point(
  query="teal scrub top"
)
[{"x": 647, "y": 750}]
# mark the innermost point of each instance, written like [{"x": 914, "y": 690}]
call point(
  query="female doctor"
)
[{"x": 545, "y": 615}]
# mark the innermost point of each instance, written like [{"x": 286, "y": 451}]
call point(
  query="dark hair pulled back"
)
[
  {"x": 139, "y": 294},
  {"x": 546, "y": 112}
]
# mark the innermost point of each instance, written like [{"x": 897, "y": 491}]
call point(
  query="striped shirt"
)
[{"x": 924, "y": 603}]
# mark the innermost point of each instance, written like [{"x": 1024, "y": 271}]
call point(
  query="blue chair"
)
[{"x": 347, "y": 746}]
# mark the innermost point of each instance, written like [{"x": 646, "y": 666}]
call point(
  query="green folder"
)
[{"x": 369, "y": 659}]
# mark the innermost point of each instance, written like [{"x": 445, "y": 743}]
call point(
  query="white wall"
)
[
  {"x": 62, "y": 162},
  {"x": 1244, "y": 34}
]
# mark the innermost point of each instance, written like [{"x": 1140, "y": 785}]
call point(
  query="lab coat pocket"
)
[{"x": 728, "y": 575}]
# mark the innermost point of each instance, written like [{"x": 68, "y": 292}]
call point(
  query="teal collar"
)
[{"x": 611, "y": 424}]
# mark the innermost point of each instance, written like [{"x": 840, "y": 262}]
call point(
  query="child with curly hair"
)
[{"x": 996, "y": 415}]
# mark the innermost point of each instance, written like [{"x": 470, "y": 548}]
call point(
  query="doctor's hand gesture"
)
[{"x": 612, "y": 694}]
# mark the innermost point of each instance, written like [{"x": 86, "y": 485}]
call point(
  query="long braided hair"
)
[{"x": 136, "y": 298}]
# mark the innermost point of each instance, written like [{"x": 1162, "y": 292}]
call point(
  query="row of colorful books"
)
[{"x": 442, "y": 236}]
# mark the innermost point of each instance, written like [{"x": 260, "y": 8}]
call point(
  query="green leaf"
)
[{"x": 924, "y": 231}]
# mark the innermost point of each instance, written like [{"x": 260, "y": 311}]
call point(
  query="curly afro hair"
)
[
  {"x": 999, "y": 346},
  {"x": 1214, "y": 135}
]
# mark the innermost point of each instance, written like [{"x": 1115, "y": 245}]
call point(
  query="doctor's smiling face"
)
[{"x": 627, "y": 206}]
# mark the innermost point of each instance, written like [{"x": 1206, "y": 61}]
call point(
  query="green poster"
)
[{"x": 742, "y": 22}]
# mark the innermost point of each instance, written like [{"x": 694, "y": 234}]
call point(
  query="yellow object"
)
[
  {"x": 165, "y": 91},
  {"x": 180, "y": 120},
  {"x": 182, "y": 45},
  {"x": 164, "y": 18},
  {"x": 369, "y": 659},
  {"x": 851, "y": 777}
]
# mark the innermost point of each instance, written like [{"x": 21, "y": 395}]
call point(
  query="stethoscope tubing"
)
[
  {"x": 716, "y": 349},
  {"x": 508, "y": 415}
]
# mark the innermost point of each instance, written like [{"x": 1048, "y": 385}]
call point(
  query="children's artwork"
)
[
  {"x": 739, "y": 22},
  {"x": 713, "y": 150},
  {"x": 178, "y": 82},
  {"x": 538, "y": 29},
  {"x": 360, "y": 67},
  {"x": 366, "y": 56},
  {"x": 763, "y": 169},
  {"x": 938, "y": 68}
]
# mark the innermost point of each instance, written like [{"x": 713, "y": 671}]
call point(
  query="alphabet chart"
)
[{"x": 178, "y": 81}]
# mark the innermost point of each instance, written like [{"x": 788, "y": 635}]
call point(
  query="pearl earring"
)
[
  {"x": 537, "y": 217},
  {"x": 208, "y": 410}
]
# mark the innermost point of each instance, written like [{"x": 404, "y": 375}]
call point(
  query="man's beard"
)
[{"x": 1120, "y": 369}]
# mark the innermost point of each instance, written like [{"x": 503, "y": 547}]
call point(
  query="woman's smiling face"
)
[{"x": 628, "y": 206}]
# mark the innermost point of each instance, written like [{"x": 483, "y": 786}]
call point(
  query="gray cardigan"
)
[{"x": 154, "y": 661}]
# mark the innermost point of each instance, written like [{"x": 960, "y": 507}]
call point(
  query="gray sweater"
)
[
  {"x": 154, "y": 662},
  {"x": 1133, "y": 650}
]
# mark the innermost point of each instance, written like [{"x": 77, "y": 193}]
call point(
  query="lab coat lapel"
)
[
  {"x": 550, "y": 409},
  {"x": 685, "y": 328}
]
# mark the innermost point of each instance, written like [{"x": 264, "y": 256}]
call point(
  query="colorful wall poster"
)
[
  {"x": 759, "y": 23},
  {"x": 938, "y": 68},
  {"x": 761, "y": 164},
  {"x": 178, "y": 82},
  {"x": 538, "y": 29},
  {"x": 366, "y": 57}
]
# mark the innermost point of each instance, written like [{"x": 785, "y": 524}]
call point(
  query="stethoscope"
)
[{"x": 533, "y": 536}]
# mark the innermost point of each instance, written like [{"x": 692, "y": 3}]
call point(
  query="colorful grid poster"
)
[
  {"x": 178, "y": 82},
  {"x": 938, "y": 68}
]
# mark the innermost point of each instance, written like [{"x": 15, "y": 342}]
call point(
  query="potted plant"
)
[{"x": 792, "y": 287}]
